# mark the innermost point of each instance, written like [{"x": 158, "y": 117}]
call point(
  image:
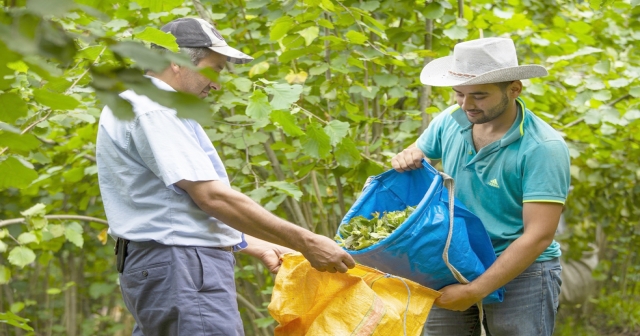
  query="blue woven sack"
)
[{"x": 427, "y": 247}]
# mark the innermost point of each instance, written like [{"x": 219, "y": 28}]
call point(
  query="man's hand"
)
[
  {"x": 271, "y": 257},
  {"x": 408, "y": 159},
  {"x": 268, "y": 253},
  {"x": 326, "y": 256},
  {"x": 457, "y": 297}
]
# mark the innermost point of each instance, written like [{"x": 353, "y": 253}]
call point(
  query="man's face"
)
[
  {"x": 194, "y": 82},
  {"x": 482, "y": 103}
]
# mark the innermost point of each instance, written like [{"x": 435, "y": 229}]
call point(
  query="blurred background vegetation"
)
[{"x": 332, "y": 95}]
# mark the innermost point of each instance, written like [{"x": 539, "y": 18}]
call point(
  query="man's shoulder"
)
[
  {"x": 143, "y": 104},
  {"x": 448, "y": 116},
  {"x": 537, "y": 131}
]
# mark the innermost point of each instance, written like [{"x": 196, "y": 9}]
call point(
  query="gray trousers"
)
[
  {"x": 529, "y": 308},
  {"x": 177, "y": 290}
]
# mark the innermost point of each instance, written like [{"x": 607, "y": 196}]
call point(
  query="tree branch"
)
[{"x": 63, "y": 217}]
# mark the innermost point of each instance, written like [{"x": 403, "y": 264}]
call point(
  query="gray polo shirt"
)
[{"x": 139, "y": 162}]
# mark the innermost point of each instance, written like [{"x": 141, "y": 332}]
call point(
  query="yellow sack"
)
[{"x": 363, "y": 301}]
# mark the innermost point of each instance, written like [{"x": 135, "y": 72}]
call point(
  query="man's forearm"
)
[
  {"x": 243, "y": 214},
  {"x": 255, "y": 246},
  {"x": 511, "y": 263}
]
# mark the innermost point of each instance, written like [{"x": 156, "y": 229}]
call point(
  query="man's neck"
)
[{"x": 165, "y": 77}]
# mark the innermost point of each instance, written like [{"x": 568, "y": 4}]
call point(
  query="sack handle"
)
[{"x": 449, "y": 183}]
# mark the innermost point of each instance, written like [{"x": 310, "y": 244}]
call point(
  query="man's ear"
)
[
  {"x": 174, "y": 67},
  {"x": 515, "y": 89}
]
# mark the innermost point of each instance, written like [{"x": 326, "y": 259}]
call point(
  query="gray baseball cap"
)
[{"x": 198, "y": 33}]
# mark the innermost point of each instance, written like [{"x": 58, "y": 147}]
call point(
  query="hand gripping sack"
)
[
  {"x": 427, "y": 247},
  {"x": 361, "y": 302}
]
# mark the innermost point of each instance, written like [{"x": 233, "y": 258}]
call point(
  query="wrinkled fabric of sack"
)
[
  {"x": 415, "y": 249},
  {"x": 361, "y": 302}
]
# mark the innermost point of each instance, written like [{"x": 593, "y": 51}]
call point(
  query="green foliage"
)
[
  {"x": 332, "y": 95},
  {"x": 362, "y": 232}
]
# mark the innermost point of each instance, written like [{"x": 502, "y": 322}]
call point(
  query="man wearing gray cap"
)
[
  {"x": 168, "y": 201},
  {"x": 512, "y": 170}
]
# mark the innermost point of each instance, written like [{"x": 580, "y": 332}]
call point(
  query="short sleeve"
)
[
  {"x": 546, "y": 173},
  {"x": 169, "y": 147},
  {"x": 430, "y": 142}
]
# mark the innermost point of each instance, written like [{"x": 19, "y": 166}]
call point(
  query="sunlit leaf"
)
[
  {"x": 21, "y": 256},
  {"x": 281, "y": 27},
  {"x": 258, "y": 69},
  {"x": 356, "y": 37},
  {"x": 285, "y": 120},
  {"x": 73, "y": 233},
  {"x": 316, "y": 142},
  {"x": 157, "y": 36},
  {"x": 13, "y": 107},
  {"x": 386, "y": 80},
  {"x": 37, "y": 210},
  {"x": 242, "y": 84},
  {"x": 5, "y": 274},
  {"x": 283, "y": 95},
  {"x": 286, "y": 187},
  {"x": 309, "y": 34},
  {"x": 347, "y": 154},
  {"x": 456, "y": 32},
  {"x": 296, "y": 78},
  {"x": 55, "y": 101},
  {"x": 259, "y": 107},
  {"x": 602, "y": 95},
  {"x": 24, "y": 142},
  {"x": 581, "y": 52},
  {"x": 15, "y": 174},
  {"x": 336, "y": 130},
  {"x": 27, "y": 237},
  {"x": 144, "y": 57},
  {"x": 434, "y": 10},
  {"x": 620, "y": 82}
]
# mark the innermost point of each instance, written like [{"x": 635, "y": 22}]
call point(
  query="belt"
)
[
  {"x": 226, "y": 248},
  {"x": 123, "y": 245},
  {"x": 154, "y": 244}
]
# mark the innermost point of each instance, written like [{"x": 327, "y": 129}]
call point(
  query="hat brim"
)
[
  {"x": 436, "y": 73},
  {"x": 233, "y": 55}
]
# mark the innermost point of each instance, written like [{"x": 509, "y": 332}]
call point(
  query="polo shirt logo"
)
[{"x": 494, "y": 183}]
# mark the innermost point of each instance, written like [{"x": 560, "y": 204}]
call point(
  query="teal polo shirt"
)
[{"x": 529, "y": 164}]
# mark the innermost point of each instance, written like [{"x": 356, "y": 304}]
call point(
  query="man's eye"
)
[{"x": 480, "y": 98}]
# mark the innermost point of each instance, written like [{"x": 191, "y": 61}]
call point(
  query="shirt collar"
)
[
  {"x": 160, "y": 84},
  {"x": 514, "y": 133}
]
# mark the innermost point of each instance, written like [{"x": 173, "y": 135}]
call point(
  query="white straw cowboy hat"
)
[{"x": 482, "y": 61}]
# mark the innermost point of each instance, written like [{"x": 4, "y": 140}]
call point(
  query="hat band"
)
[{"x": 458, "y": 74}]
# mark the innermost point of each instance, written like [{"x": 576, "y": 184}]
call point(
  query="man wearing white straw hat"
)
[{"x": 512, "y": 170}]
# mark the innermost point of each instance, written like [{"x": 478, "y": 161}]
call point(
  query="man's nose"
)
[
  {"x": 467, "y": 103},
  {"x": 214, "y": 86}
]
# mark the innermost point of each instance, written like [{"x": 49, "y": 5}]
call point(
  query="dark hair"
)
[
  {"x": 196, "y": 54},
  {"x": 503, "y": 85}
]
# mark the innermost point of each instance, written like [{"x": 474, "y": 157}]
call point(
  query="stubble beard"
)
[{"x": 494, "y": 112}]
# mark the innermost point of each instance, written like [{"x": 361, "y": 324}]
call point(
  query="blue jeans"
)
[
  {"x": 180, "y": 291},
  {"x": 529, "y": 308}
]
